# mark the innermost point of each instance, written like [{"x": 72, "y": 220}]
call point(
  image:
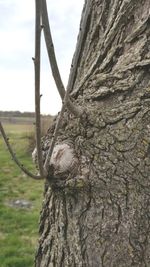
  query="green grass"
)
[
  {"x": 18, "y": 227},
  {"x": 18, "y": 128}
]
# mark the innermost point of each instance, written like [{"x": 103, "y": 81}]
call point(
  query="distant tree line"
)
[{"x": 18, "y": 114}]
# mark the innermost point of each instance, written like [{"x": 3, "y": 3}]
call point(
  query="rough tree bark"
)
[{"x": 96, "y": 213}]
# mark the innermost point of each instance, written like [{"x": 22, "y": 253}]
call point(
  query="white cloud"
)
[{"x": 17, "y": 49}]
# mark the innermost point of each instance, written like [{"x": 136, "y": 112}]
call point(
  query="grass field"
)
[{"x": 18, "y": 225}]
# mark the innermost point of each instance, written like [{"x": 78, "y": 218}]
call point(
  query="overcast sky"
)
[{"x": 17, "y": 49}]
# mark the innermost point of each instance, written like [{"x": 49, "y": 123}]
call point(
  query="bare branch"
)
[
  {"x": 37, "y": 83},
  {"x": 53, "y": 62},
  {"x": 20, "y": 165}
]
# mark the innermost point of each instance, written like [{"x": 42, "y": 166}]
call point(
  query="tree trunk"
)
[{"x": 97, "y": 214}]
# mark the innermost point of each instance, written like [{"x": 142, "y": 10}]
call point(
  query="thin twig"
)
[
  {"x": 37, "y": 83},
  {"x": 53, "y": 62},
  {"x": 20, "y": 165}
]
